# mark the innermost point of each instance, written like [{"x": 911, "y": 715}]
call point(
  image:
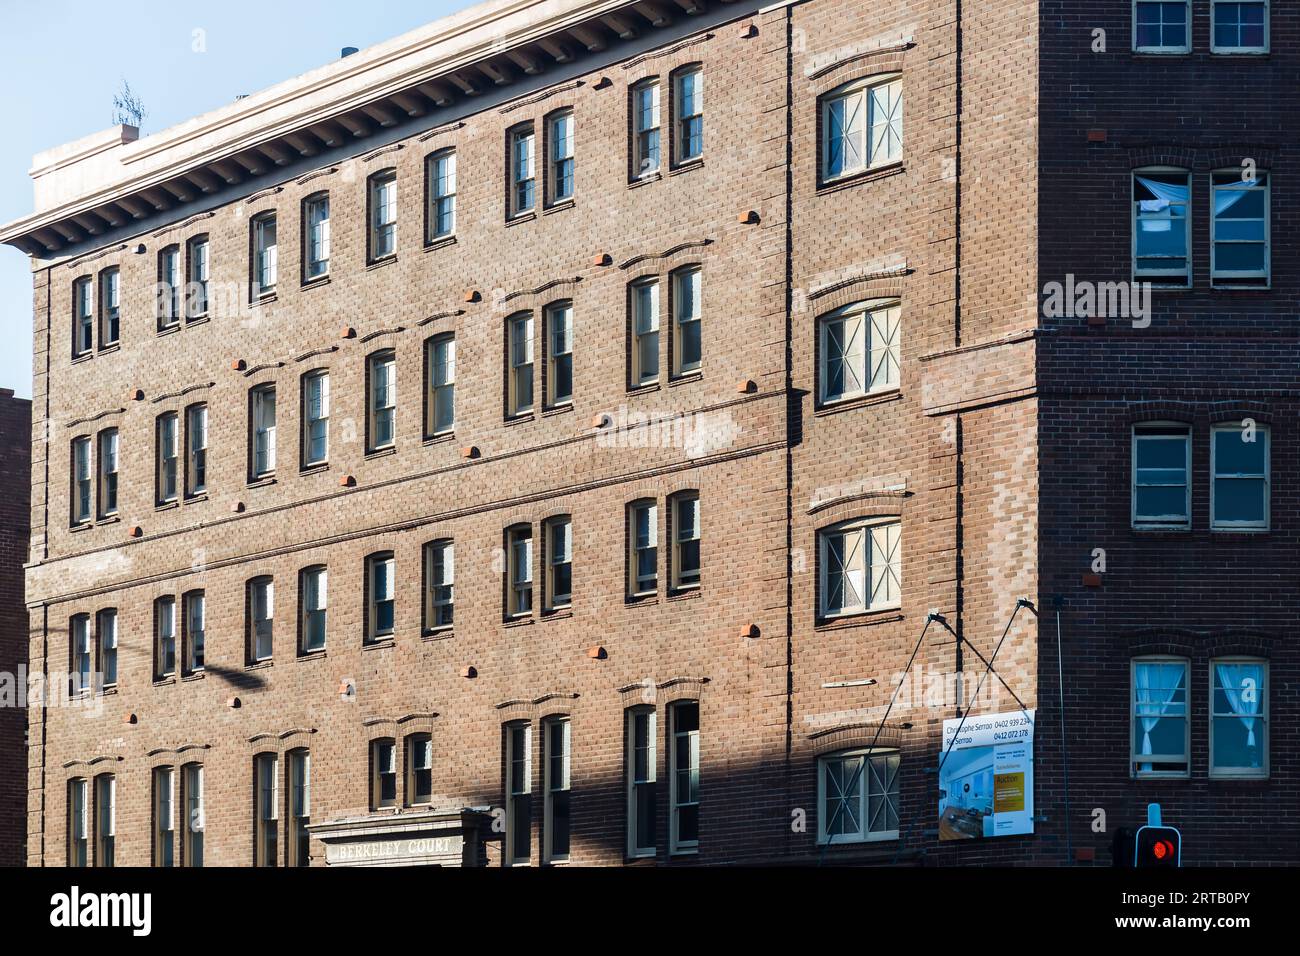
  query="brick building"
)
[
  {"x": 633, "y": 391},
  {"x": 15, "y": 468}
]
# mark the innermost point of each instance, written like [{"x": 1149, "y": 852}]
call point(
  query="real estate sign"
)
[{"x": 986, "y": 784}]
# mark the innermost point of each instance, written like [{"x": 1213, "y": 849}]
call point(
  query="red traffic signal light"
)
[{"x": 1158, "y": 847}]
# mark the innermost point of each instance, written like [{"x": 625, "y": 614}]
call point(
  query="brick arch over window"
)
[
  {"x": 853, "y": 737},
  {"x": 1235, "y": 411},
  {"x": 1180, "y": 157},
  {"x": 1234, "y": 155},
  {"x": 1186, "y": 413},
  {"x": 871, "y": 504},
  {"x": 860, "y": 66},
  {"x": 825, "y": 299}
]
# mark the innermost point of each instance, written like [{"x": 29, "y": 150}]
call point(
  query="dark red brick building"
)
[
  {"x": 15, "y": 469},
  {"x": 623, "y": 433}
]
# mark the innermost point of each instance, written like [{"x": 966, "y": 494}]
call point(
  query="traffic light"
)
[{"x": 1157, "y": 847}]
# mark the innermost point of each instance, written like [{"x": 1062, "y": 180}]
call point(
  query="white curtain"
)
[
  {"x": 1157, "y": 683},
  {"x": 1233, "y": 678}
]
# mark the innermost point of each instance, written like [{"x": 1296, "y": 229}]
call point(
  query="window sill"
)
[
  {"x": 437, "y": 634},
  {"x": 685, "y": 593},
  {"x": 882, "y": 616},
  {"x": 193, "y": 676},
  {"x": 1227, "y": 286},
  {"x": 859, "y": 401},
  {"x": 645, "y": 179},
  {"x": 109, "y": 691},
  {"x": 1245, "y": 532},
  {"x": 441, "y": 439},
  {"x": 265, "y": 298},
  {"x": 686, "y": 378},
  {"x": 687, "y": 165},
  {"x": 166, "y": 505},
  {"x": 83, "y": 357},
  {"x": 1154, "y": 529},
  {"x": 315, "y": 282},
  {"x": 197, "y": 320},
  {"x": 518, "y": 419},
  {"x": 856, "y": 179},
  {"x": 168, "y": 329},
  {"x": 1153, "y": 52},
  {"x": 80, "y": 526},
  {"x": 387, "y": 641},
  {"x": 441, "y": 242},
  {"x": 559, "y": 613},
  {"x": 164, "y": 681},
  {"x": 559, "y": 206},
  {"x": 110, "y": 348},
  {"x": 315, "y": 469},
  {"x": 380, "y": 452},
  {"x": 521, "y": 218},
  {"x": 1233, "y": 778},
  {"x": 380, "y": 263},
  {"x": 259, "y": 665},
  {"x": 196, "y": 498},
  {"x": 643, "y": 389},
  {"x": 565, "y": 409},
  {"x": 262, "y": 481},
  {"x": 640, "y": 600},
  {"x": 312, "y": 655},
  {"x": 520, "y": 621},
  {"x": 1161, "y": 777},
  {"x": 108, "y": 519}
]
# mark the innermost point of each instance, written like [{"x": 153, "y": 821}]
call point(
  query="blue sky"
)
[{"x": 63, "y": 60}]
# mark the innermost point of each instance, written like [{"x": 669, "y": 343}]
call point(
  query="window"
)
[
  {"x": 1160, "y": 732},
  {"x": 261, "y": 618},
  {"x": 170, "y": 285},
  {"x": 560, "y": 162},
  {"x": 419, "y": 769},
  {"x": 78, "y": 822},
  {"x": 684, "y": 777},
  {"x": 315, "y": 591},
  {"x": 192, "y": 788},
  {"x": 1238, "y": 718},
  {"x": 687, "y": 345},
  {"x": 861, "y": 567},
  {"x": 196, "y": 296},
  {"x": 686, "y": 540},
  {"x": 559, "y": 562},
  {"x": 862, "y": 127},
  {"x": 262, "y": 425},
  {"x": 441, "y": 186},
  {"x": 196, "y": 450},
  {"x": 380, "y": 610},
  {"x": 440, "y": 569},
  {"x": 106, "y": 634},
  {"x": 168, "y": 457},
  {"x": 519, "y": 583},
  {"x": 519, "y": 790},
  {"x": 859, "y": 351},
  {"x": 641, "y": 783},
  {"x": 1239, "y": 229},
  {"x": 1162, "y": 226},
  {"x": 645, "y": 128},
  {"x": 265, "y": 257},
  {"x": 1162, "y": 26},
  {"x": 164, "y": 659},
  {"x": 105, "y": 818},
  {"x": 299, "y": 844},
  {"x": 383, "y": 215},
  {"x": 440, "y": 370},
  {"x": 555, "y": 790},
  {"x": 316, "y": 237},
  {"x": 688, "y": 104},
  {"x": 81, "y": 482},
  {"x": 164, "y": 817},
  {"x": 266, "y": 811},
  {"x": 315, "y": 418},
  {"x": 645, "y": 333},
  {"x": 383, "y": 400},
  {"x": 1239, "y": 27},
  {"x": 857, "y": 796},
  {"x": 523, "y": 175},
  {"x": 383, "y": 779},
  {"x": 83, "y": 321},
  {"x": 196, "y": 610},
  {"x": 108, "y": 472},
  {"x": 1239, "y": 493},
  {"x": 559, "y": 354},
  {"x": 79, "y": 654},
  {"x": 1162, "y": 461},
  {"x": 110, "y": 307},
  {"x": 643, "y": 548},
  {"x": 519, "y": 347}
]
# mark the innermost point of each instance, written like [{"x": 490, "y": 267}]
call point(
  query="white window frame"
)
[
  {"x": 299, "y": 807},
  {"x": 561, "y": 165},
  {"x": 690, "y": 772},
  {"x": 110, "y": 305},
  {"x": 875, "y": 536},
  {"x": 83, "y": 316},
  {"x": 196, "y": 450},
  {"x": 863, "y": 95},
  {"x": 315, "y": 418},
  {"x": 1153, "y": 431},
  {"x": 169, "y": 463},
  {"x": 316, "y": 237},
  {"x": 519, "y": 571},
  {"x": 440, "y": 585},
  {"x": 79, "y": 823},
  {"x": 165, "y": 632},
  {"x": 644, "y": 321},
  {"x": 518, "y": 791},
  {"x": 315, "y": 606},
  {"x": 105, "y": 819},
  {"x": 1135, "y": 759},
  {"x": 440, "y": 365},
  {"x": 382, "y": 399},
  {"x": 523, "y": 171},
  {"x": 682, "y": 120},
  {"x": 878, "y": 325},
  {"x": 192, "y": 792},
  {"x": 647, "y": 154},
  {"x": 419, "y": 757},
  {"x": 164, "y": 817},
  {"x": 558, "y": 319},
  {"x": 386, "y": 562},
  {"x": 261, "y": 619},
  {"x": 1165, "y": 278},
  {"x": 640, "y": 585},
  {"x": 1261, "y": 432},
  {"x": 83, "y": 486},
  {"x": 688, "y": 310},
  {"x": 108, "y": 442},
  {"x": 1260, "y": 718},
  {"x": 195, "y": 610},
  {"x": 1239, "y": 50},
  {"x": 519, "y": 356},
  {"x": 80, "y": 654},
  {"x": 1163, "y": 50},
  {"x": 171, "y": 285},
  {"x": 441, "y": 185},
  {"x": 558, "y": 535},
  {"x": 556, "y": 782},
  {"x": 859, "y": 762},
  {"x": 198, "y": 270},
  {"x": 106, "y": 646},
  {"x": 266, "y": 812},
  {"x": 1262, "y": 182},
  {"x": 262, "y": 413},
  {"x": 641, "y": 786},
  {"x": 383, "y": 764},
  {"x": 265, "y": 255},
  {"x": 682, "y": 536},
  {"x": 382, "y": 189}
]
